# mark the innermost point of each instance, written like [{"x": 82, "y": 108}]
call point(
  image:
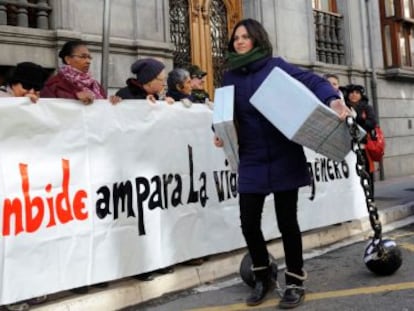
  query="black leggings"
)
[{"x": 251, "y": 207}]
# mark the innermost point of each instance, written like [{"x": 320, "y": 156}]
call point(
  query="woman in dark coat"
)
[
  {"x": 149, "y": 81},
  {"x": 366, "y": 118},
  {"x": 179, "y": 84},
  {"x": 269, "y": 162}
]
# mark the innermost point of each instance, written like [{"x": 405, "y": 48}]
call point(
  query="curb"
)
[{"x": 128, "y": 292}]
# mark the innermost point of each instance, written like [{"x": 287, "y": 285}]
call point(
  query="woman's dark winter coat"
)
[
  {"x": 58, "y": 87},
  {"x": 365, "y": 115},
  {"x": 269, "y": 162},
  {"x": 133, "y": 90},
  {"x": 177, "y": 95}
]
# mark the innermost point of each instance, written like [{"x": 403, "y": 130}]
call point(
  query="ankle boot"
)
[
  {"x": 294, "y": 294},
  {"x": 264, "y": 284}
]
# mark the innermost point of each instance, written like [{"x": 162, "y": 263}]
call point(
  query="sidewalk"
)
[{"x": 395, "y": 203}]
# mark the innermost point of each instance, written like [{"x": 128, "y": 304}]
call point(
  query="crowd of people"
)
[
  {"x": 269, "y": 162},
  {"x": 73, "y": 80}
]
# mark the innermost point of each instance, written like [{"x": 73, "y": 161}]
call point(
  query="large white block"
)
[
  {"x": 295, "y": 111},
  {"x": 224, "y": 124}
]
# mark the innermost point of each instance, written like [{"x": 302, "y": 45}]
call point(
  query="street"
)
[{"x": 338, "y": 280}]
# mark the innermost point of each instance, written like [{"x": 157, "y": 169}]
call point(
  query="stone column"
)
[
  {"x": 22, "y": 18},
  {"x": 42, "y": 14}
]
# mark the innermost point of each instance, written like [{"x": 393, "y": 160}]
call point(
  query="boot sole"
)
[
  {"x": 291, "y": 305},
  {"x": 271, "y": 289}
]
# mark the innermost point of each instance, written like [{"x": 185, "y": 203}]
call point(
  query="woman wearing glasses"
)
[
  {"x": 26, "y": 81},
  {"x": 73, "y": 79}
]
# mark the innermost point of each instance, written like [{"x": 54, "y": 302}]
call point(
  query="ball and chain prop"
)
[
  {"x": 248, "y": 276},
  {"x": 246, "y": 272},
  {"x": 382, "y": 255}
]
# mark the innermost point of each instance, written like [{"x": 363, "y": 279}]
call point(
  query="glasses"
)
[
  {"x": 198, "y": 76},
  {"x": 160, "y": 79},
  {"x": 83, "y": 56}
]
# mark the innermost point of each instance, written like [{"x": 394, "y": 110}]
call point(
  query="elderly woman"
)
[
  {"x": 179, "y": 84},
  {"x": 26, "y": 81},
  {"x": 149, "y": 81},
  {"x": 73, "y": 79}
]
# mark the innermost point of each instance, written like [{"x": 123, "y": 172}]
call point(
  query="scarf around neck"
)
[
  {"x": 235, "y": 60},
  {"x": 82, "y": 80}
]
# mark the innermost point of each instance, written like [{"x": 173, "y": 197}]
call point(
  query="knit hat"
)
[
  {"x": 147, "y": 69},
  {"x": 30, "y": 75},
  {"x": 195, "y": 71},
  {"x": 355, "y": 87}
]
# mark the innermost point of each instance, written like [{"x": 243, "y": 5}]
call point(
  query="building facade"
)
[{"x": 368, "y": 42}]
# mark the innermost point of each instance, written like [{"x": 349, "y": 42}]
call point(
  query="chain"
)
[{"x": 365, "y": 180}]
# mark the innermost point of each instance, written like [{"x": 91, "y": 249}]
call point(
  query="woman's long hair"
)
[{"x": 256, "y": 32}]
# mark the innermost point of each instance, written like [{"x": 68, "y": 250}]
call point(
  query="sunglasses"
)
[
  {"x": 198, "y": 76},
  {"x": 28, "y": 86}
]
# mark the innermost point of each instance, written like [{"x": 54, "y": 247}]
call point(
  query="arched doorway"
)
[{"x": 199, "y": 30}]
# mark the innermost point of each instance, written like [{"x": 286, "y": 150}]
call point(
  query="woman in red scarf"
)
[{"x": 73, "y": 79}]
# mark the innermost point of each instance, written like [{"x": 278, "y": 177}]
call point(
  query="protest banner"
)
[{"x": 100, "y": 192}]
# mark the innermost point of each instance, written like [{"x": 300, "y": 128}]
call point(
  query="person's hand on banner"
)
[
  {"x": 340, "y": 108},
  {"x": 169, "y": 100},
  {"x": 85, "y": 97},
  {"x": 218, "y": 142},
  {"x": 151, "y": 98},
  {"x": 33, "y": 96},
  {"x": 113, "y": 99}
]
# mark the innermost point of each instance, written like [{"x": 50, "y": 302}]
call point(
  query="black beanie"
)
[
  {"x": 29, "y": 74},
  {"x": 147, "y": 69},
  {"x": 355, "y": 87}
]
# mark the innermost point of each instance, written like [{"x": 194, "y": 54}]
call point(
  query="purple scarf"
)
[{"x": 82, "y": 80}]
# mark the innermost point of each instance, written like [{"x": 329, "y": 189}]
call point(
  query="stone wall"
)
[{"x": 141, "y": 29}]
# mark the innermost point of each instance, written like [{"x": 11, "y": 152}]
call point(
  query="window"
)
[
  {"x": 397, "y": 23},
  {"x": 325, "y": 5},
  {"x": 180, "y": 32},
  {"x": 328, "y": 32}
]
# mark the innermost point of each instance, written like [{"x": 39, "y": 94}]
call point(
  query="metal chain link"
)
[{"x": 365, "y": 179}]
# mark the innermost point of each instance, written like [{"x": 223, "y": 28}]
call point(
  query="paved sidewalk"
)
[{"x": 395, "y": 202}]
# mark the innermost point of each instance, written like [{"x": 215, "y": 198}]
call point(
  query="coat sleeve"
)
[{"x": 57, "y": 88}]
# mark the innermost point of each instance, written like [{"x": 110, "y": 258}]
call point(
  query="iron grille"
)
[
  {"x": 180, "y": 32},
  {"x": 329, "y": 39},
  {"x": 219, "y": 38}
]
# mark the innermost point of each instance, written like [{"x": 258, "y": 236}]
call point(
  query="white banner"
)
[{"x": 100, "y": 192}]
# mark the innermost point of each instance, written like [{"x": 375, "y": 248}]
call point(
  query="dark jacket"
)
[
  {"x": 365, "y": 115},
  {"x": 58, "y": 87},
  {"x": 133, "y": 90},
  {"x": 199, "y": 96},
  {"x": 177, "y": 95},
  {"x": 269, "y": 161}
]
